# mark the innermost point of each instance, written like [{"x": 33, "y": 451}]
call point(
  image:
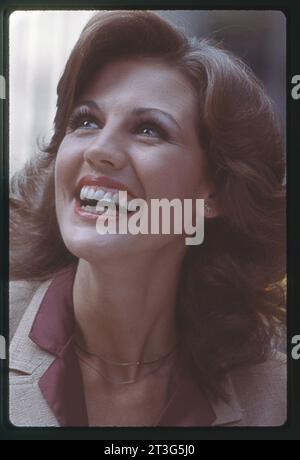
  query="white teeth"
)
[
  {"x": 104, "y": 198},
  {"x": 99, "y": 194},
  {"x": 90, "y": 194},
  {"x": 108, "y": 196},
  {"x": 93, "y": 209},
  {"x": 89, "y": 208}
]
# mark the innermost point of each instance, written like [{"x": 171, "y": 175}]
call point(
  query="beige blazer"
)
[{"x": 258, "y": 394}]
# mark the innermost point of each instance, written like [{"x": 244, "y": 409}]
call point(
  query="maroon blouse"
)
[{"x": 62, "y": 385}]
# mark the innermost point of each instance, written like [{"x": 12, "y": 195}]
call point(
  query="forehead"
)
[{"x": 142, "y": 81}]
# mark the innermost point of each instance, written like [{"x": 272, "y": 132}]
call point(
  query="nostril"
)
[
  {"x": 99, "y": 161},
  {"x": 110, "y": 163}
]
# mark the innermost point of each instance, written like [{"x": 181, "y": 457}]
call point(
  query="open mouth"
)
[{"x": 99, "y": 200}]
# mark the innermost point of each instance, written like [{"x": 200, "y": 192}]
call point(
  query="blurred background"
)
[{"x": 40, "y": 42}]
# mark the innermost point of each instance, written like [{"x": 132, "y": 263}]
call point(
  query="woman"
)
[{"x": 143, "y": 330}]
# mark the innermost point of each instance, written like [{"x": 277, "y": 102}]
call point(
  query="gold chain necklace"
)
[
  {"x": 116, "y": 363},
  {"x": 137, "y": 363}
]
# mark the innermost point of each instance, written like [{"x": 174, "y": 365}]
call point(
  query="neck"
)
[{"x": 125, "y": 309}]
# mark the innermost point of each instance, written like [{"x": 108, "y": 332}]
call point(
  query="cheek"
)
[
  {"x": 68, "y": 161},
  {"x": 174, "y": 174}
]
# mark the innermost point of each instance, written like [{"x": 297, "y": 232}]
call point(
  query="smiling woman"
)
[
  {"x": 135, "y": 329},
  {"x": 135, "y": 145}
]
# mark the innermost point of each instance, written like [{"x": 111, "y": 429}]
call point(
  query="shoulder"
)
[
  {"x": 261, "y": 390},
  {"x": 21, "y": 294}
]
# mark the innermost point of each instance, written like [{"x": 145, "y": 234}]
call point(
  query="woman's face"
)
[{"x": 134, "y": 124}]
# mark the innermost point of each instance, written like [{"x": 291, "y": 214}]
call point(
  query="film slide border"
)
[{"x": 188, "y": 436}]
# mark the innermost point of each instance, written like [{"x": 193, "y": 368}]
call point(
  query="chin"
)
[
  {"x": 84, "y": 242},
  {"x": 109, "y": 247},
  {"x": 94, "y": 248}
]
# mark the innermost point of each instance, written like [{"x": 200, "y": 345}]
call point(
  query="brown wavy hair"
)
[{"x": 231, "y": 301}]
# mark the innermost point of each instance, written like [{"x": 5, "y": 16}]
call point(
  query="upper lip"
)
[{"x": 102, "y": 181}]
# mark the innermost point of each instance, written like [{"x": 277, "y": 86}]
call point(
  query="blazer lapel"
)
[
  {"x": 27, "y": 362},
  {"x": 42, "y": 349}
]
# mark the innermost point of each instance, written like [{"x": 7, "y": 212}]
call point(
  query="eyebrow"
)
[
  {"x": 154, "y": 111},
  {"x": 136, "y": 111}
]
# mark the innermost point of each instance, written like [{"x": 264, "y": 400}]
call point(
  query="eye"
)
[
  {"x": 151, "y": 130},
  {"x": 86, "y": 123},
  {"x": 83, "y": 119}
]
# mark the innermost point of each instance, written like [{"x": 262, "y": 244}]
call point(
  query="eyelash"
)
[
  {"x": 78, "y": 117},
  {"x": 84, "y": 114}
]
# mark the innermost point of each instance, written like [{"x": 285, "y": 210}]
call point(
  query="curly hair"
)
[{"x": 230, "y": 299}]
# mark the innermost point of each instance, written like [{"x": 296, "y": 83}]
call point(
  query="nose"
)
[{"x": 107, "y": 150}]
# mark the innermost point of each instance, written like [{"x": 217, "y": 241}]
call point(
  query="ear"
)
[
  {"x": 210, "y": 197},
  {"x": 210, "y": 207}
]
